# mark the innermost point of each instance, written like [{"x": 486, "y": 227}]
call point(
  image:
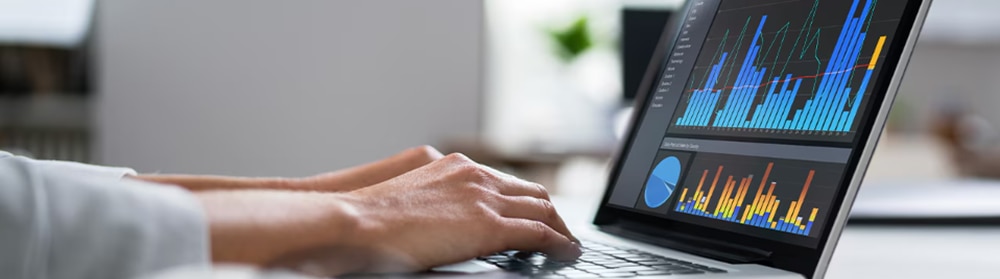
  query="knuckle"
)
[
  {"x": 542, "y": 191},
  {"x": 475, "y": 172},
  {"x": 426, "y": 152},
  {"x": 458, "y": 158},
  {"x": 549, "y": 210},
  {"x": 541, "y": 232}
]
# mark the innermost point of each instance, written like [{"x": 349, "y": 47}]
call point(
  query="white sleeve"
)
[{"x": 67, "y": 220}]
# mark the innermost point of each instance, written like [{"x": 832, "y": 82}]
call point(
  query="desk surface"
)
[{"x": 884, "y": 252}]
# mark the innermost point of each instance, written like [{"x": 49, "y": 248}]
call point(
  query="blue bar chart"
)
[{"x": 765, "y": 94}]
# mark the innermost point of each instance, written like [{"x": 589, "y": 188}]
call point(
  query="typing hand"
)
[{"x": 448, "y": 211}]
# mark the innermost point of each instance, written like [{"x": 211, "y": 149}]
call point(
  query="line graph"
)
[{"x": 790, "y": 79}]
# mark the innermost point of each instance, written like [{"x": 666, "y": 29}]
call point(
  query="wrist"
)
[
  {"x": 263, "y": 227},
  {"x": 347, "y": 245}
]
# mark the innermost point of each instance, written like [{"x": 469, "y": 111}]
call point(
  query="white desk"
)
[
  {"x": 916, "y": 252},
  {"x": 883, "y": 252}
]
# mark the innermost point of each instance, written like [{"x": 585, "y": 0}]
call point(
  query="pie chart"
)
[{"x": 662, "y": 182}]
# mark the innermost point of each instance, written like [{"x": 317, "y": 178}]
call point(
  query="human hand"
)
[
  {"x": 448, "y": 211},
  {"x": 370, "y": 174}
]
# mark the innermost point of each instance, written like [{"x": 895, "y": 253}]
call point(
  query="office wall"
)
[
  {"x": 282, "y": 87},
  {"x": 954, "y": 75}
]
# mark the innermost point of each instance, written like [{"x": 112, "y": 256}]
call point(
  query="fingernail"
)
[{"x": 577, "y": 250}]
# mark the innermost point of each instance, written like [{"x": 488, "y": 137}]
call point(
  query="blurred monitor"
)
[{"x": 642, "y": 26}]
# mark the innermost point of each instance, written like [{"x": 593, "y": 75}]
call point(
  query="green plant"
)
[{"x": 573, "y": 40}]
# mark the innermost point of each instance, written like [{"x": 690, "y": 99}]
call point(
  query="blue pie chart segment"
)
[{"x": 662, "y": 182}]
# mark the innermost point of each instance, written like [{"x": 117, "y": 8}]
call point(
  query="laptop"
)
[{"x": 753, "y": 130}]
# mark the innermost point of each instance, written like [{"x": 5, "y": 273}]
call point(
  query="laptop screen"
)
[{"x": 758, "y": 110}]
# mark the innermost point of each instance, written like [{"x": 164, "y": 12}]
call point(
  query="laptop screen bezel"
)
[{"x": 800, "y": 259}]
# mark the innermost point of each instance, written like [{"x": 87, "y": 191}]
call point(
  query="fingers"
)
[
  {"x": 520, "y": 202},
  {"x": 419, "y": 156},
  {"x": 515, "y": 186},
  {"x": 528, "y": 235},
  {"x": 404, "y": 162},
  {"x": 540, "y": 210},
  {"x": 379, "y": 171},
  {"x": 528, "y": 200},
  {"x": 518, "y": 198}
]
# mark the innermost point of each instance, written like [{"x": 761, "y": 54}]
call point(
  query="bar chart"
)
[
  {"x": 782, "y": 198},
  {"x": 776, "y": 74}
]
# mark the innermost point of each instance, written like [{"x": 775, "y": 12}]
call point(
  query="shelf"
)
[{"x": 50, "y": 111}]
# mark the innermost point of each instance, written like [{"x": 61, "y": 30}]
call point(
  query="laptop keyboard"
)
[{"x": 598, "y": 261}]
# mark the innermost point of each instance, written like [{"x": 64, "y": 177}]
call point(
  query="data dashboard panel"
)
[
  {"x": 757, "y": 110},
  {"x": 802, "y": 74}
]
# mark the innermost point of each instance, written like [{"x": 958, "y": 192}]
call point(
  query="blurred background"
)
[{"x": 292, "y": 88}]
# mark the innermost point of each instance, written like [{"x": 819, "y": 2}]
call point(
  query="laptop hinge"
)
[{"x": 709, "y": 248}]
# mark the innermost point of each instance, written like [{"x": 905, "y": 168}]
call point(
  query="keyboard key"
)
[
  {"x": 535, "y": 261},
  {"x": 716, "y": 270},
  {"x": 623, "y": 264},
  {"x": 634, "y": 268},
  {"x": 553, "y": 266},
  {"x": 533, "y": 272},
  {"x": 616, "y": 274},
  {"x": 633, "y": 257},
  {"x": 663, "y": 264},
  {"x": 587, "y": 266},
  {"x": 674, "y": 269},
  {"x": 598, "y": 261},
  {"x": 596, "y": 269},
  {"x": 611, "y": 263},
  {"x": 572, "y": 273},
  {"x": 699, "y": 266}
]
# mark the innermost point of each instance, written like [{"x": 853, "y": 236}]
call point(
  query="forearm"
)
[
  {"x": 268, "y": 228},
  {"x": 204, "y": 183},
  {"x": 340, "y": 181}
]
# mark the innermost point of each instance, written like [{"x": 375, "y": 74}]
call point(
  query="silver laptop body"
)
[{"x": 751, "y": 134}]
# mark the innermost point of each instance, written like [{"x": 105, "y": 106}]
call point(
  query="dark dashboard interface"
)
[{"x": 756, "y": 114}]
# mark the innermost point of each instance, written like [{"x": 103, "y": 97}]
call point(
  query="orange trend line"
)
[{"x": 859, "y": 66}]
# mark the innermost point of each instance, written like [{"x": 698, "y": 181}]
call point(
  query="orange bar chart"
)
[{"x": 732, "y": 204}]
